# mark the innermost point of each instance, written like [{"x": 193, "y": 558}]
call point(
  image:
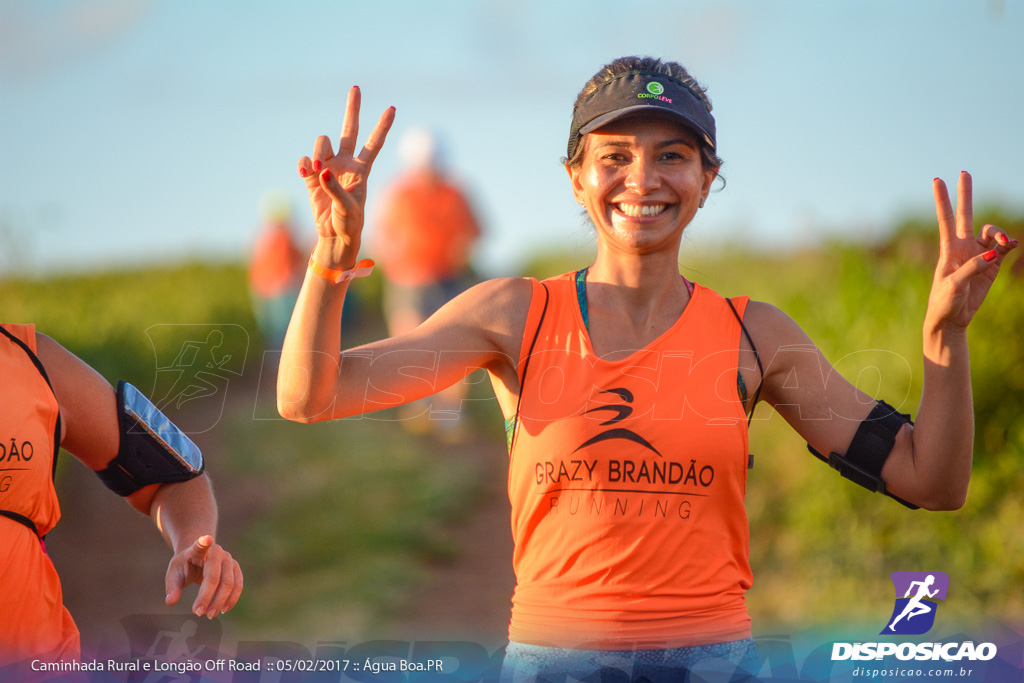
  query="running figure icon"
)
[
  {"x": 918, "y": 594},
  {"x": 916, "y": 606}
]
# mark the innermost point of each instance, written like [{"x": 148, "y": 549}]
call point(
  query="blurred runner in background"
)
[
  {"x": 423, "y": 241},
  {"x": 276, "y": 270}
]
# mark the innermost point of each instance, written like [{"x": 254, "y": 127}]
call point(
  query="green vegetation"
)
[
  {"x": 127, "y": 323},
  {"x": 355, "y": 513},
  {"x": 352, "y": 514}
]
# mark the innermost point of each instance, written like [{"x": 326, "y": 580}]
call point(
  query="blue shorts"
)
[
  {"x": 424, "y": 299},
  {"x": 733, "y": 662}
]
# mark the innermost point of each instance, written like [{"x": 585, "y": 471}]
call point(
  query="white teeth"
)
[{"x": 636, "y": 210}]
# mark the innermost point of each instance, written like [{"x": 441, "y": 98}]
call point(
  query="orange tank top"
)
[
  {"x": 627, "y": 480},
  {"x": 34, "y": 622},
  {"x": 426, "y": 231}
]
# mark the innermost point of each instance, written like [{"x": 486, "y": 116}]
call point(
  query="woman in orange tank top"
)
[
  {"x": 625, "y": 387},
  {"x": 49, "y": 399}
]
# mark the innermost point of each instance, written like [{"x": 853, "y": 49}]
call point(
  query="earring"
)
[{"x": 701, "y": 205}]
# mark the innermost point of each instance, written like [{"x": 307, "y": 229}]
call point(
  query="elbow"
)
[
  {"x": 296, "y": 411},
  {"x": 298, "y": 407},
  {"x": 943, "y": 501},
  {"x": 298, "y": 403},
  {"x": 947, "y": 503},
  {"x": 307, "y": 409}
]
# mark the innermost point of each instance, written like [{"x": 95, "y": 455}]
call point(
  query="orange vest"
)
[
  {"x": 33, "y": 620},
  {"x": 627, "y": 480},
  {"x": 425, "y": 231},
  {"x": 277, "y": 265}
]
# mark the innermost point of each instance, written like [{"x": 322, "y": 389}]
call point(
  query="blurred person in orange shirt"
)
[
  {"x": 423, "y": 241},
  {"x": 276, "y": 270}
]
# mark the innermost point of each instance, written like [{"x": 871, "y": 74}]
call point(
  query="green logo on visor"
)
[{"x": 655, "y": 88}]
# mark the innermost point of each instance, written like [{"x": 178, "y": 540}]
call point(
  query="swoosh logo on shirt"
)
[{"x": 621, "y": 413}]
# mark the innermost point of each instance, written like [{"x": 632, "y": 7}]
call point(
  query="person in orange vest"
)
[
  {"x": 275, "y": 269},
  {"x": 51, "y": 399},
  {"x": 627, "y": 390},
  {"x": 424, "y": 236}
]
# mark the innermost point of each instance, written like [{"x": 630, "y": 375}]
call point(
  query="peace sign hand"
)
[
  {"x": 968, "y": 265},
  {"x": 337, "y": 185}
]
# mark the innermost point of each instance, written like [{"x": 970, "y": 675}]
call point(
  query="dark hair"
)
[{"x": 624, "y": 65}]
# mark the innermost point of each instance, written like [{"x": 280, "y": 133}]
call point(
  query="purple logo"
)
[{"x": 917, "y": 594}]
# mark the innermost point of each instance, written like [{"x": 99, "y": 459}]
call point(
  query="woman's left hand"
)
[{"x": 968, "y": 265}]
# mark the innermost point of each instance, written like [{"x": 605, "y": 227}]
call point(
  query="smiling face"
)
[{"x": 641, "y": 181}]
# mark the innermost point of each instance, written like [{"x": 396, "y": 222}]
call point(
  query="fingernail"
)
[
  {"x": 317, "y": 165},
  {"x": 1013, "y": 243},
  {"x": 303, "y": 172},
  {"x": 212, "y": 614},
  {"x": 990, "y": 255},
  {"x": 199, "y": 611},
  {"x": 326, "y": 175}
]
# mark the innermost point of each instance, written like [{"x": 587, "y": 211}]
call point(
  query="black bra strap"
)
[
  {"x": 526, "y": 366},
  {"x": 757, "y": 357},
  {"x": 56, "y": 436},
  {"x": 21, "y": 519}
]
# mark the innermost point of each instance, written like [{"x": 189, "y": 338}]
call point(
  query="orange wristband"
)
[{"x": 361, "y": 269}]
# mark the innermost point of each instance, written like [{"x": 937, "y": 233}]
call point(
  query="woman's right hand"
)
[{"x": 337, "y": 185}]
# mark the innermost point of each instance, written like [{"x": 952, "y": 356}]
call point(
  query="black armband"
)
[
  {"x": 152, "y": 449},
  {"x": 869, "y": 450}
]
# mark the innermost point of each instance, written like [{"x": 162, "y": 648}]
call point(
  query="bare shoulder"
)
[
  {"x": 57, "y": 361},
  {"x": 68, "y": 373},
  {"x": 781, "y": 343},
  {"x": 486, "y": 319},
  {"x": 87, "y": 404},
  {"x": 772, "y": 328},
  {"x": 502, "y": 295},
  {"x": 498, "y": 307}
]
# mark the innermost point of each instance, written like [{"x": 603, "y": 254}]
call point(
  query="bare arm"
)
[
  {"x": 930, "y": 464},
  {"x": 480, "y": 328},
  {"x": 185, "y": 513},
  {"x": 316, "y": 379}
]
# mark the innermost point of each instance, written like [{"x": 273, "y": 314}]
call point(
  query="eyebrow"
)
[
  {"x": 676, "y": 141},
  {"x": 666, "y": 143}
]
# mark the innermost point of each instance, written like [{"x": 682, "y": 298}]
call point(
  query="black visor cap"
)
[{"x": 642, "y": 92}]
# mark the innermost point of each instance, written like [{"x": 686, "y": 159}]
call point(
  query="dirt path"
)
[
  {"x": 112, "y": 559},
  {"x": 470, "y": 599}
]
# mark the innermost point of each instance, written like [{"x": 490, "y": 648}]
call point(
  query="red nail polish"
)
[
  {"x": 303, "y": 172},
  {"x": 317, "y": 165},
  {"x": 1001, "y": 238},
  {"x": 326, "y": 175},
  {"x": 990, "y": 255}
]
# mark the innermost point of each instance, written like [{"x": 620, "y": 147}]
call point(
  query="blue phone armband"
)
[{"x": 153, "y": 450}]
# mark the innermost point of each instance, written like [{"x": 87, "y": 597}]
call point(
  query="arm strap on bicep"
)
[
  {"x": 153, "y": 450},
  {"x": 869, "y": 450}
]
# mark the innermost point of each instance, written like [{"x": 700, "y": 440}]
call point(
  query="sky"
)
[{"x": 135, "y": 132}]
